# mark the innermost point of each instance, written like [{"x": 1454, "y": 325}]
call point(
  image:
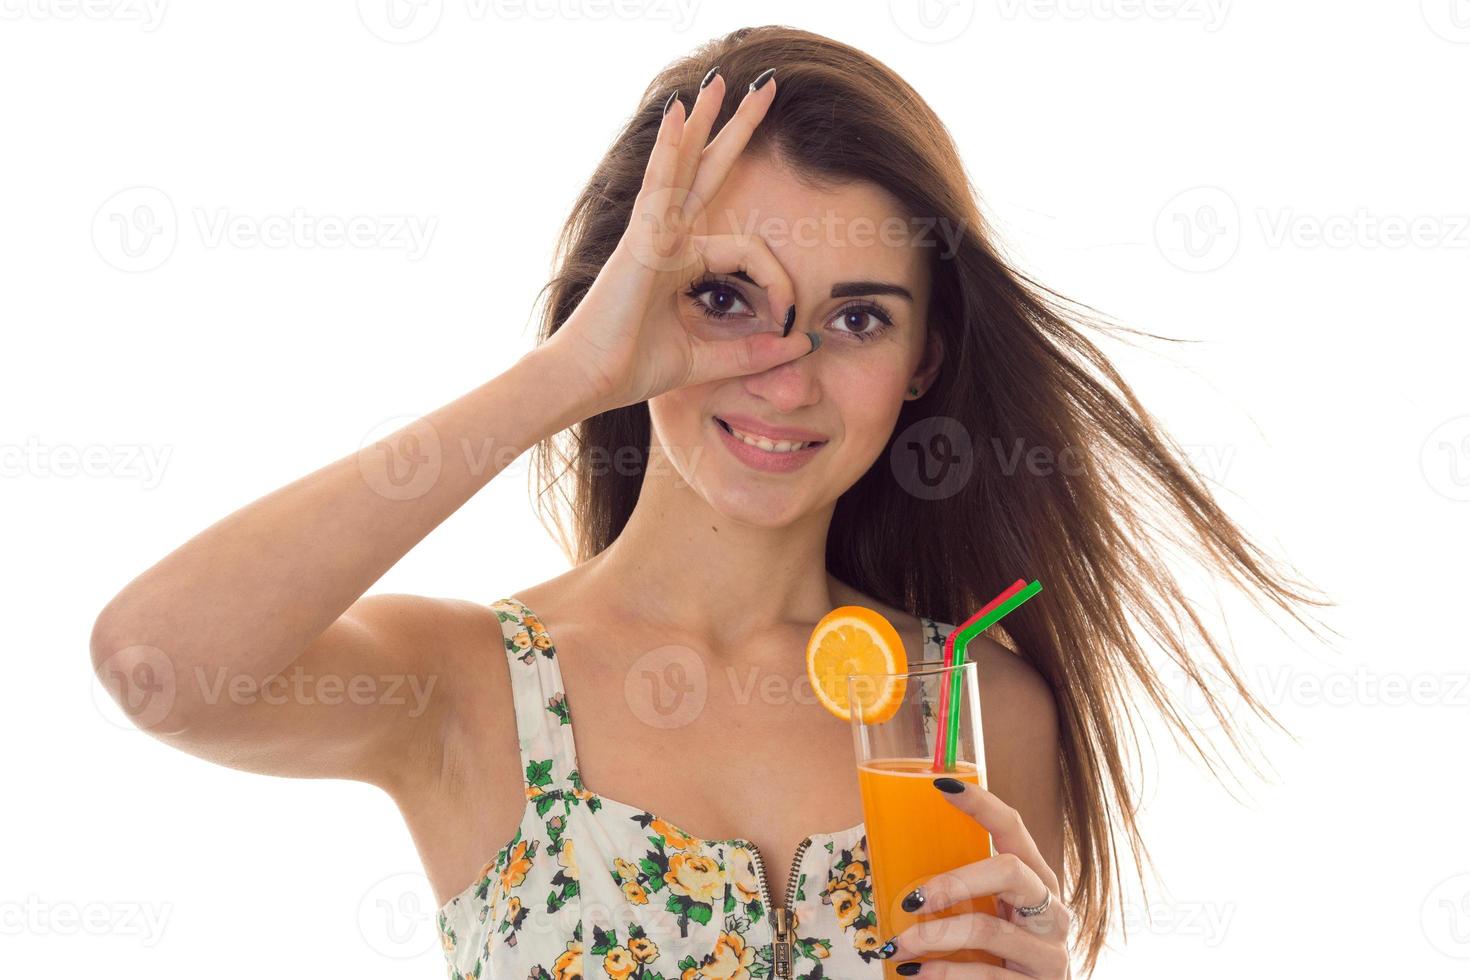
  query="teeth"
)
[{"x": 766, "y": 444}]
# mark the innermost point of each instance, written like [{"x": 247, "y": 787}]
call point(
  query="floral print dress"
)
[{"x": 592, "y": 887}]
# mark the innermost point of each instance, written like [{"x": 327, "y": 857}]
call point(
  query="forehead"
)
[{"x": 834, "y": 231}]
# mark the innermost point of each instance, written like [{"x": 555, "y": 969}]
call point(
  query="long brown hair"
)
[{"x": 1018, "y": 372}]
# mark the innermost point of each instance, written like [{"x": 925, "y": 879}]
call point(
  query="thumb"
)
[{"x": 715, "y": 360}]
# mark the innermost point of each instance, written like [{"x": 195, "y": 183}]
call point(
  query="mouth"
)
[{"x": 778, "y": 447}]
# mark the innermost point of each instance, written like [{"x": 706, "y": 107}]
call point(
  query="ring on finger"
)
[{"x": 1030, "y": 910}]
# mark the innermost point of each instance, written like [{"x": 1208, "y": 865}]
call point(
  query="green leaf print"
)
[
  {"x": 603, "y": 941},
  {"x": 538, "y": 773}
]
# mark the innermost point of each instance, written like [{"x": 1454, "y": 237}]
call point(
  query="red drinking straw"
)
[{"x": 985, "y": 610}]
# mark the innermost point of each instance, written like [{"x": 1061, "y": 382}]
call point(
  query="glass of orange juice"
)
[{"x": 913, "y": 832}]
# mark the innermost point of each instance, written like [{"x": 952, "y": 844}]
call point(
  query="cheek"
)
[
  {"x": 677, "y": 415},
  {"x": 868, "y": 402}
]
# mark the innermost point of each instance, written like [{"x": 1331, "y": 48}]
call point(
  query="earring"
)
[{"x": 914, "y": 391}]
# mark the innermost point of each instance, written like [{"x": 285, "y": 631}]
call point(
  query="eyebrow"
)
[{"x": 862, "y": 287}]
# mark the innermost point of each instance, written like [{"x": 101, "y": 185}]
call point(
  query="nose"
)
[{"x": 790, "y": 386}]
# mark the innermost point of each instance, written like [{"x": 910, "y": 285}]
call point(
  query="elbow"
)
[{"x": 140, "y": 677}]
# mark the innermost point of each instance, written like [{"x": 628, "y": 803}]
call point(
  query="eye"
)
[
  {"x": 724, "y": 300},
  {"x": 863, "y": 321}
]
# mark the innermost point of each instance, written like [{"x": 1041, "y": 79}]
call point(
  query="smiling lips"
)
[
  {"x": 766, "y": 447},
  {"x": 770, "y": 438}
]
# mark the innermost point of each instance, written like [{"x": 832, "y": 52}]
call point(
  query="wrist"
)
[{"x": 576, "y": 388}]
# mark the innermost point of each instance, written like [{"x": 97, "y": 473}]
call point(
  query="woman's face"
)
[{"x": 859, "y": 268}]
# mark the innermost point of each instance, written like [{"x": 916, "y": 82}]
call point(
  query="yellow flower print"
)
[
  {"x": 521, "y": 639},
  {"x": 618, "y": 963},
  {"x": 855, "y": 871},
  {"x": 625, "y": 870},
  {"x": 673, "y": 839},
  {"x": 696, "y": 876},
  {"x": 845, "y": 904},
  {"x": 635, "y": 893},
  {"x": 513, "y": 907},
  {"x": 569, "y": 963},
  {"x": 820, "y": 951},
  {"x": 516, "y": 867},
  {"x": 568, "y": 860},
  {"x": 644, "y": 950},
  {"x": 447, "y": 941},
  {"x": 865, "y": 939},
  {"x": 541, "y": 641},
  {"x": 730, "y": 959},
  {"x": 747, "y": 885}
]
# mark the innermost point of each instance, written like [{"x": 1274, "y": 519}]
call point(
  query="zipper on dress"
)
[{"x": 782, "y": 921}]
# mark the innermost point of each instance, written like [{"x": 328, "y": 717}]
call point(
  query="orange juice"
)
[{"x": 914, "y": 833}]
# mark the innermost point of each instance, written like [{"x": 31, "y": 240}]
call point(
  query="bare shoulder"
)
[{"x": 453, "y": 648}]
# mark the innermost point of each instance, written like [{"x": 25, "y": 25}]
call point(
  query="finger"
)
[
  {"x": 1008, "y": 833},
  {"x": 751, "y": 255},
  {"x": 1020, "y": 948},
  {"x": 718, "y": 158},
  {"x": 945, "y": 970},
  {"x": 663, "y": 159},
  {"x": 696, "y": 133},
  {"x": 1006, "y": 877},
  {"x": 715, "y": 360},
  {"x": 657, "y": 219}
]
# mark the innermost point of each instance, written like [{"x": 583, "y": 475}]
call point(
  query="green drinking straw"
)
[{"x": 960, "y": 639}]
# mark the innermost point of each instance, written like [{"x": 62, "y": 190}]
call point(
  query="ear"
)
[{"x": 928, "y": 369}]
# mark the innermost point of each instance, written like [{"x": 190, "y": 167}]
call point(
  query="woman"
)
[{"x": 776, "y": 322}]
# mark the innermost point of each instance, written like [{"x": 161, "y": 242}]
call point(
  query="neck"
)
[{"x": 680, "y": 561}]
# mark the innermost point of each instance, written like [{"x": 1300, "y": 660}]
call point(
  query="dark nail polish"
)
[
  {"x": 669, "y": 102},
  {"x": 913, "y": 901},
  {"x": 762, "y": 78},
  {"x": 816, "y": 341},
  {"x": 886, "y": 950},
  {"x": 948, "y": 785},
  {"x": 908, "y": 969},
  {"x": 790, "y": 319},
  {"x": 710, "y": 77}
]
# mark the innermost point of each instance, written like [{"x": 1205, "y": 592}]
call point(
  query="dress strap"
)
[{"x": 543, "y": 720}]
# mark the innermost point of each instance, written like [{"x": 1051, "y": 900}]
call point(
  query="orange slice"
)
[{"x": 856, "y": 640}]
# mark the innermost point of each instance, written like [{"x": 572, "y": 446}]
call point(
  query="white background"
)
[{"x": 1244, "y": 175}]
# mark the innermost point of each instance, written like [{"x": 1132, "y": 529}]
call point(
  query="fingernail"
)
[
  {"x": 816, "y": 341},
  {"x": 913, "y": 901},
  {"x": 668, "y": 103},
  {"x": 947, "y": 785},
  {"x": 909, "y": 969},
  {"x": 790, "y": 319},
  {"x": 710, "y": 77},
  {"x": 762, "y": 78},
  {"x": 887, "y": 949}
]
